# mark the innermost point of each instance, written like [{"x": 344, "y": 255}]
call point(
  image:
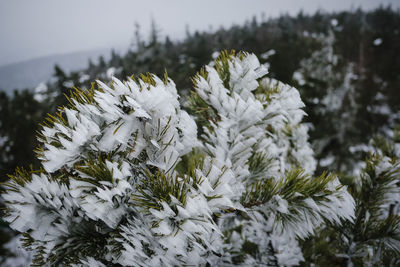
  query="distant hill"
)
[{"x": 30, "y": 73}]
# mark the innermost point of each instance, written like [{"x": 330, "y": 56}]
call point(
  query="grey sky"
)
[{"x": 34, "y": 28}]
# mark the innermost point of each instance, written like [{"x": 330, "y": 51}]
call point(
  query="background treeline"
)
[{"x": 346, "y": 66}]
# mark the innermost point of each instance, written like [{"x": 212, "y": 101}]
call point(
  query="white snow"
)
[
  {"x": 20, "y": 257},
  {"x": 110, "y": 72},
  {"x": 215, "y": 54},
  {"x": 40, "y": 92},
  {"x": 119, "y": 148},
  {"x": 334, "y": 22},
  {"x": 297, "y": 76},
  {"x": 268, "y": 54},
  {"x": 378, "y": 41},
  {"x": 83, "y": 78},
  {"x": 68, "y": 84},
  {"x": 327, "y": 161}
]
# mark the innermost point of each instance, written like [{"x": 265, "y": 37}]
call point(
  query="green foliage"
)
[
  {"x": 19, "y": 119},
  {"x": 292, "y": 38},
  {"x": 160, "y": 187},
  {"x": 259, "y": 163},
  {"x": 94, "y": 171},
  {"x": 204, "y": 113},
  {"x": 373, "y": 238},
  {"x": 295, "y": 188}
]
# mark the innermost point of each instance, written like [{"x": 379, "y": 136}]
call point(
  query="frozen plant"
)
[
  {"x": 128, "y": 177},
  {"x": 373, "y": 238},
  {"x": 328, "y": 83}
]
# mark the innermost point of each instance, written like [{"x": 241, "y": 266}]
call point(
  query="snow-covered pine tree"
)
[
  {"x": 327, "y": 83},
  {"x": 373, "y": 238},
  {"x": 127, "y": 178}
]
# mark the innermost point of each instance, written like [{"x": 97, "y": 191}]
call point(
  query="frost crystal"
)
[{"x": 128, "y": 179}]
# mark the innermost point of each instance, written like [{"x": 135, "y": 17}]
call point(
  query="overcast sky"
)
[{"x": 35, "y": 28}]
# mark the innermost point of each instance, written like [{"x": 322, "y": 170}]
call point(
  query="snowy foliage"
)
[
  {"x": 329, "y": 85},
  {"x": 18, "y": 256},
  {"x": 131, "y": 178},
  {"x": 373, "y": 238}
]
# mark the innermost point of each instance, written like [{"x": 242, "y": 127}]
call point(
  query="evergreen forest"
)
[{"x": 346, "y": 68}]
